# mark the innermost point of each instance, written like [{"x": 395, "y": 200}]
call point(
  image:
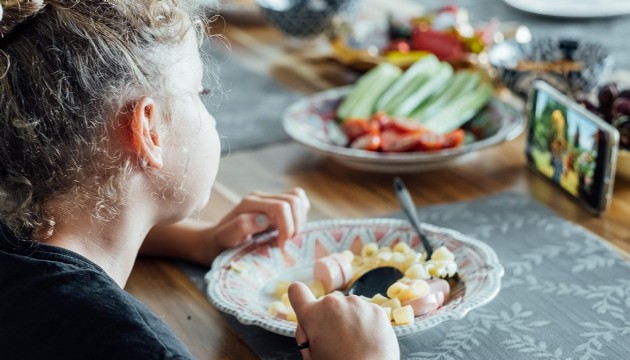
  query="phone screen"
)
[{"x": 569, "y": 147}]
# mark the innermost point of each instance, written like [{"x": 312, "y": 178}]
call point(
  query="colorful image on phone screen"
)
[{"x": 564, "y": 146}]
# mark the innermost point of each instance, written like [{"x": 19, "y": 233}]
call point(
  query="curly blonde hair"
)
[{"x": 67, "y": 68}]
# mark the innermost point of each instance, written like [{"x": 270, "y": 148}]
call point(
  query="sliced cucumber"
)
[
  {"x": 462, "y": 82},
  {"x": 409, "y": 81},
  {"x": 359, "y": 103},
  {"x": 460, "y": 110},
  {"x": 433, "y": 84}
]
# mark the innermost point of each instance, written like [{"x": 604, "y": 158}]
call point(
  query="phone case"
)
[{"x": 582, "y": 164}]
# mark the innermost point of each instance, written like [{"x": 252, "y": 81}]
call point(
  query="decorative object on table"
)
[
  {"x": 446, "y": 33},
  {"x": 305, "y": 18},
  {"x": 242, "y": 281},
  {"x": 572, "y": 147},
  {"x": 572, "y": 66},
  {"x": 573, "y": 8},
  {"x": 311, "y": 122}
]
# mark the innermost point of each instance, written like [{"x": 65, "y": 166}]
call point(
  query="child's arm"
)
[{"x": 201, "y": 242}]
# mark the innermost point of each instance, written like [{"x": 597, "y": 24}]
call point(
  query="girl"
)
[{"x": 106, "y": 149}]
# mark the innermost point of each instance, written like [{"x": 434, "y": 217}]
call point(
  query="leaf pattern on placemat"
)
[{"x": 564, "y": 296}]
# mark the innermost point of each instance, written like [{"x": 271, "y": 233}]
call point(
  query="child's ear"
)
[{"x": 145, "y": 138}]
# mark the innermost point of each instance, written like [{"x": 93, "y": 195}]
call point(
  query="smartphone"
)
[{"x": 572, "y": 147}]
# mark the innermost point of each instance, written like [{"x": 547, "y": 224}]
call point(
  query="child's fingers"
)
[
  {"x": 279, "y": 212},
  {"x": 296, "y": 204},
  {"x": 300, "y": 297},
  {"x": 239, "y": 228}
]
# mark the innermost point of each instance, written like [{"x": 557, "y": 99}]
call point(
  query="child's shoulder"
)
[{"x": 54, "y": 297}]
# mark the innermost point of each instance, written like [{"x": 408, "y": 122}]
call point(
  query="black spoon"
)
[
  {"x": 410, "y": 211},
  {"x": 375, "y": 281}
]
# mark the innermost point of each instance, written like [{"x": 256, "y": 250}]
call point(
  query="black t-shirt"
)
[{"x": 56, "y": 304}]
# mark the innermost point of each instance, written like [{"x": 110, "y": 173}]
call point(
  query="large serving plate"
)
[
  {"x": 573, "y": 8},
  {"x": 246, "y": 294},
  {"x": 310, "y": 122}
]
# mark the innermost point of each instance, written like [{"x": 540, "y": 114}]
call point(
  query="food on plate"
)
[
  {"x": 612, "y": 105},
  {"x": 420, "y": 109},
  {"x": 422, "y": 290},
  {"x": 447, "y": 33}
]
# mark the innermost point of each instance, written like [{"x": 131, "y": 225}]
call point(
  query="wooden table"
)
[{"x": 336, "y": 192}]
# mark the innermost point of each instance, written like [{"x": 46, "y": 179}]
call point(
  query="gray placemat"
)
[
  {"x": 565, "y": 294},
  {"x": 247, "y": 106}
]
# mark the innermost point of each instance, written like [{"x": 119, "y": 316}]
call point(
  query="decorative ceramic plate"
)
[
  {"x": 311, "y": 122},
  {"x": 248, "y": 292},
  {"x": 573, "y": 8}
]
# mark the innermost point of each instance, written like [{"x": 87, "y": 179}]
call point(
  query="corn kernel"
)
[
  {"x": 395, "y": 289},
  {"x": 385, "y": 257},
  {"x": 369, "y": 250},
  {"x": 416, "y": 289},
  {"x": 442, "y": 253},
  {"x": 393, "y": 303},
  {"x": 385, "y": 249},
  {"x": 403, "y": 315},
  {"x": 379, "y": 299},
  {"x": 417, "y": 271},
  {"x": 398, "y": 258},
  {"x": 438, "y": 269},
  {"x": 281, "y": 288},
  {"x": 402, "y": 248}
]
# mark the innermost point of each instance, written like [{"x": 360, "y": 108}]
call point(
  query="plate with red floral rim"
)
[{"x": 242, "y": 280}]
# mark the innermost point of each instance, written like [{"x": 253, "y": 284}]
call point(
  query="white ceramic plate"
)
[
  {"x": 573, "y": 8},
  {"x": 310, "y": 122},
  {"x": 247, "y": 294}
]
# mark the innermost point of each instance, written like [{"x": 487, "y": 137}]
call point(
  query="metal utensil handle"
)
[{"x": 410, "y": 210}]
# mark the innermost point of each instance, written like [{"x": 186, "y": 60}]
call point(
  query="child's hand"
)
[
  {"x": 201, "y": 242},
  {"x": 258, "y": 212},
  {"x": 341, "y": 328}
]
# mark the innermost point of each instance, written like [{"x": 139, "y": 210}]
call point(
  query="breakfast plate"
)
[
  {"x": 573, "y": 8},
  {"x": 242, "y": 280},
  {"x": 311, "y": 122}
]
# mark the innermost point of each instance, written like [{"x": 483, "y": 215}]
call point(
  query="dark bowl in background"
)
[
  {"x": 303, "y": 18},
  {"x": 596, "y": 64}
]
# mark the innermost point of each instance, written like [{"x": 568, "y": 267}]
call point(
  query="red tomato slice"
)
[
  {"x": 430, "y": 141},
  {"x": 354, "y": 127},
  {"x": 403, "y": 126},
  {"x": 395, "y": 141},
  {"x": 370, "y": 142},
  {"x": 454, "y": 139}
]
